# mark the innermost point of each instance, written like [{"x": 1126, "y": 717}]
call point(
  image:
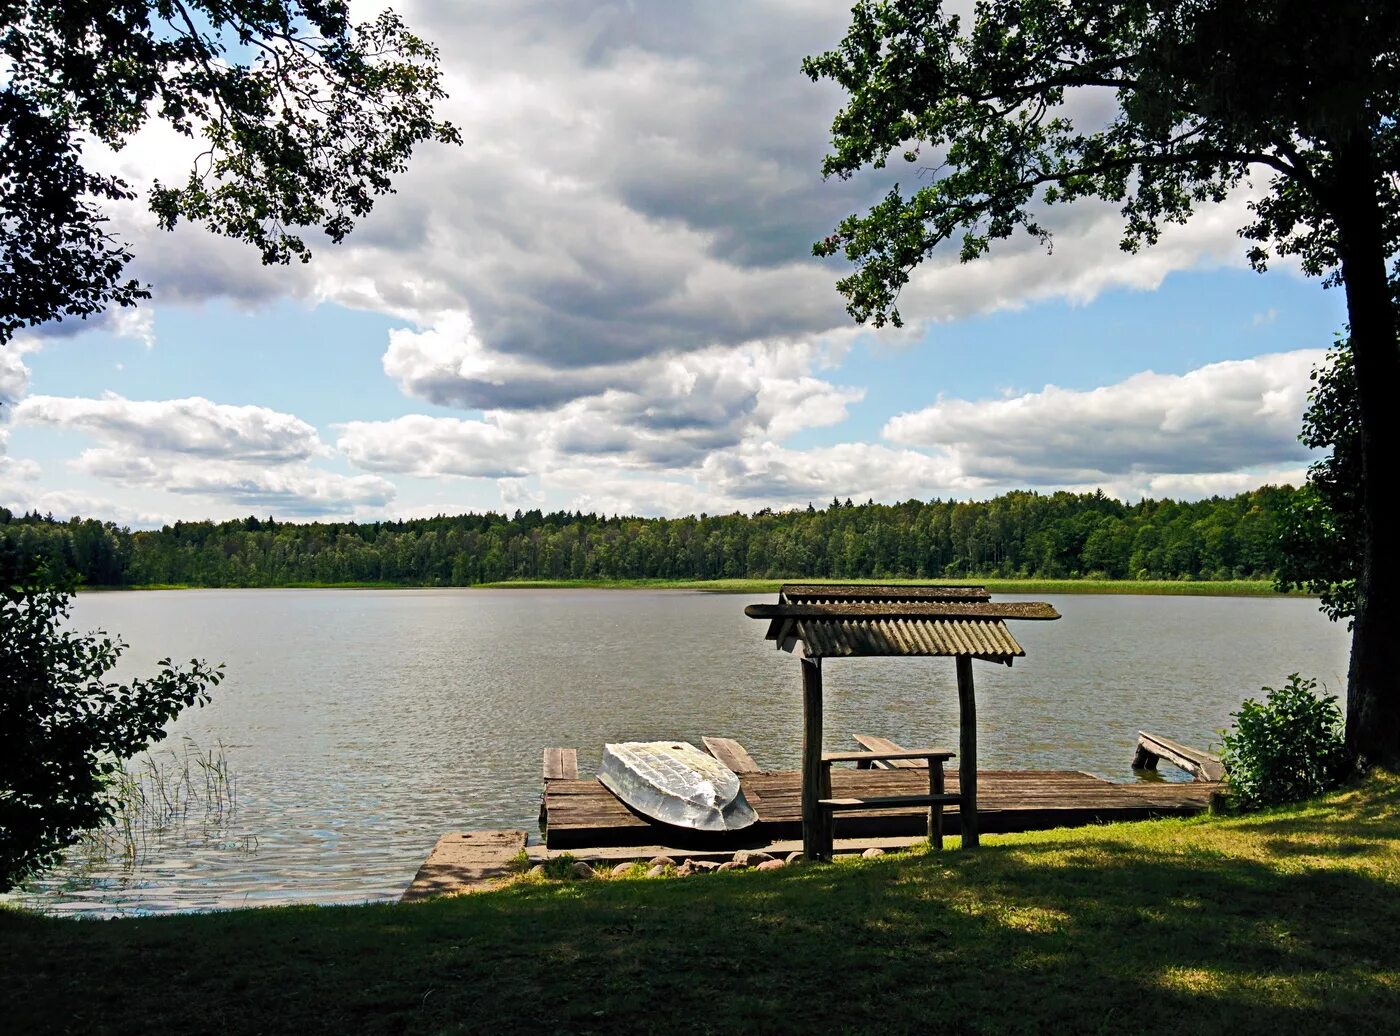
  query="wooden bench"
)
[
  {"x": 1201, "y": 765},
  {"x": 935, "y": 800}
]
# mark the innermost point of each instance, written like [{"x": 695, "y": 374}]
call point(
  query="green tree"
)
[
  {"x": 1322, "y": 522},
  {"x": 64, "y": 727},
  {"x": 303, "y": 117},
  {"x": 1206, "y": 95}
]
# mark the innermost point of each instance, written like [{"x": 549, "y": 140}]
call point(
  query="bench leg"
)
[
  {"x": 827, "y": 823},
  {"x": 935, "y": 812}
]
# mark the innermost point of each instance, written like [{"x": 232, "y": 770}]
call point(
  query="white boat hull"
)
[{"x": 675, "y": 783}]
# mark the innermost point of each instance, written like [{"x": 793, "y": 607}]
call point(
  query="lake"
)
[{"x": 362, "y": 724}]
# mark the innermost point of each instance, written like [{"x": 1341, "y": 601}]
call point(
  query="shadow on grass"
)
[{"x": 1075, "y": 934}]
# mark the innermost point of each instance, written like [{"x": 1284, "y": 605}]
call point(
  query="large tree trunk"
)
[{"x": 1373, "y": 685}]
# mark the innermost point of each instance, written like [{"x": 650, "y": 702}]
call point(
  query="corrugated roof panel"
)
[
  {"x": 832, "y": 593},
  {"x": 853, "y": 638}
]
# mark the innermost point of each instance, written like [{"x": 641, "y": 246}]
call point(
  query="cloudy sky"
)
[{"x": 605, "y": 300}]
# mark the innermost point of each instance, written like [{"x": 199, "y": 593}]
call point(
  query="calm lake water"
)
[{"x": 361, "y": 725}]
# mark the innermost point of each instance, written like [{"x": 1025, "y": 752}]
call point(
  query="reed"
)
[{"x": 186, "y": 794}]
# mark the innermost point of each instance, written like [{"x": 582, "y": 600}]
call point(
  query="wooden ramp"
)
[
  {"x": 1203, "y": 766},
  {"x": 582, "y": 813}
]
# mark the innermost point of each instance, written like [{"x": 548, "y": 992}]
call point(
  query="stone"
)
[
  {"x": 656, "y": 871},
  {"x": 795, "y": 857},
  {"x": 537, "y": 869},
  {"x": 581, "y": 870},
  {"x": 685, "y": 870},
  {"x": 751, "y": 857},
  {"x": 872, "y": 853},
  {"x": 705, "y": 865},
  {"x": 622, "y": 870},
  {"x": 729, "y": 865},
  {"x": 771, "y": 865},
  {"x": 661, "y": 861}
]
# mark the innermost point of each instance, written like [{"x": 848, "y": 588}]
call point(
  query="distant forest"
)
[{"x": 1020, "y": 534}]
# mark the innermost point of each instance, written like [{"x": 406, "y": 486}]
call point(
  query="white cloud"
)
[
  {"x": 194, "y": 426},
  {"x": 428, "y": 446},
  {"x": 520, "y": 493},
  {"x": 635, "y": 183},
  {"x": 294, "y": 489},
  {"x": 12, "y": 468},
  {"x": 117, "y": 465},
  {"x": 704, "y": 431},
  {"x": 244, "y": 456},
  {"x": 661, "y": 411},
  {"x": 1220, "y": 418},
  {"x": 1085, "y": 261},
  {"x": 14, "y": 373},
  {"x": 64, "y": 504},
  {"x": 612, "y": 280},
  {"x": 765, "y": 473},
  {"x": 1218, "y": 483},
  {"x": 137, "y": 323}
]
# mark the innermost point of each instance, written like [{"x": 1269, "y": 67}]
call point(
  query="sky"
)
[{"x": 605, "y": 300}]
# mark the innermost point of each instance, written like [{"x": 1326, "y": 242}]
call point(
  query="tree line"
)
[{"x": 1019, "y": 534}]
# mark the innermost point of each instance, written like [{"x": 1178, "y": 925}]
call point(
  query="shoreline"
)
[{"x": 1137, "y": 587}]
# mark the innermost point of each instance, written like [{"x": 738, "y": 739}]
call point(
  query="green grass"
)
[
  {"x": 1277, "y": 923},
  {"x": 1214, "y": 588}
]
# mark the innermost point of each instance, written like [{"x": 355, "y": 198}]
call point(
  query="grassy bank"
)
[
  {"x": 1283, "y": 922},
  {"x": 1199, "y": 588},
  {"x": 1216, "y": 588}
]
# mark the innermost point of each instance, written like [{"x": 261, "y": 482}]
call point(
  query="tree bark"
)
[{"x": 1373, "y": 683}]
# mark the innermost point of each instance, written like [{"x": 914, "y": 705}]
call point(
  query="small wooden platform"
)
[
  {"x": 465, "y": 860},
  {"x": 582, "y": 813}
]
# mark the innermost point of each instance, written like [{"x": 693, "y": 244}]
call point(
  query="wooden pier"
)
[
  {"x": 582, "y": 814},
  {"x": 582, "y": 818}
]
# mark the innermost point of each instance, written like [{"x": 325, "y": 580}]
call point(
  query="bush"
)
[
  {"x": 1288, "y": 747},
  {"x": 64, "y": 728}
]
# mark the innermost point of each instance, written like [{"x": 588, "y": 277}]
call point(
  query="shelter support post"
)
[
  {"x": 935, "y": 811},
  {"x": 814, "y": 845},
  {"x": 967, "y": 753}
]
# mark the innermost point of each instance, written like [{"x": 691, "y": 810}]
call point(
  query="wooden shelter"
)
[{"x": 881, "y": 620}]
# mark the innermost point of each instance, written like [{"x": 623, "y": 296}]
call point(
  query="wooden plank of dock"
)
[
  {"x": 883, "y": 744},
  {"x": 561, "y": 764},
  {"x": 584, "y": 813},
  {"x": 465, "y": 860},
  {"x": 731, "y": 754}
]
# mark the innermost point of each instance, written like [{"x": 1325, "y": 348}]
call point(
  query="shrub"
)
[
  {"x": 1288, "y": 747},
  {"x": 64, "y": 727}
]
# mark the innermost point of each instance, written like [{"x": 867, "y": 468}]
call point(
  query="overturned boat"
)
[{"x": 676, "y": 783}]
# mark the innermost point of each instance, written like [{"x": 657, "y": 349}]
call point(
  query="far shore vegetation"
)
[
  {"x": 1020, "y": 541},
  {"x": 1159, "y": 587},
  {"x": 1281, "y": 921}
]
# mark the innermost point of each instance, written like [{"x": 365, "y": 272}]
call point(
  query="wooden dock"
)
[
  {"x": 584, "y": 814},
  {"x": 584, "y": 819}
]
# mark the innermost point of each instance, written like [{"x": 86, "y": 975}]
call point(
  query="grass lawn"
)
[{"x": 1278, "y": 923}]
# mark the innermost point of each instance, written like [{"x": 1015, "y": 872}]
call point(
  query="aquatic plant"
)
[{"x": 186, "y": 796}]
